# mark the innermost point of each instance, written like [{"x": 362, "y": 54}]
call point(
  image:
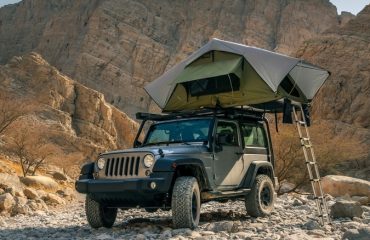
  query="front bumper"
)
[{"x": 130, "y": 192}]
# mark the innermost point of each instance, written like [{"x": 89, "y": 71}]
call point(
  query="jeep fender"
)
[
  {"x": 258, "y": 167},
  {"x": 87, "y": 171},
  {"x": 184, "y": 166}
]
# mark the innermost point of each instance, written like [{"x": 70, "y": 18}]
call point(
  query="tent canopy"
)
[{"x": 230, "y": 74}]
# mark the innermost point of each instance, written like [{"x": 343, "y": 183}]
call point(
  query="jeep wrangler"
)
[{"x": 184, "y": 160}]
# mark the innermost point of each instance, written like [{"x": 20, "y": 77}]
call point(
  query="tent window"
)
[
  {"x": 213, "y": 85},
  {"x": 289, "y": 87}
]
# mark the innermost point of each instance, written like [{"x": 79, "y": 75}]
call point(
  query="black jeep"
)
[{"x": 184, "y": 160}]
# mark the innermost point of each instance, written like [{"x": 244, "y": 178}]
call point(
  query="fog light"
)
[
  {"x": 153, "y": 185},
  {"x": 147, "y": 172}
]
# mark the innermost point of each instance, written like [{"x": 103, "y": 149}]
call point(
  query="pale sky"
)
[{"x": 353, "y": 6}]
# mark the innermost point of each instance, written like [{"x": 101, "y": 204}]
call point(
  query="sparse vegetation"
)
[
  {"x": 30, "y": 148},
  {"x": 330, "y": 150}
]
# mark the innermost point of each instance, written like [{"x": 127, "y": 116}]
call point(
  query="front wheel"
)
[
  {"x": 98, "y": 215},
  {"x": 260, "y": 201},
  {"x": 186, "y": 203}
]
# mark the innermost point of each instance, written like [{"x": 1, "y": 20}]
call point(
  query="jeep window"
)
[
  {"x": 254, "y": 135},
  {"x": 229, "y": 131},
  {"x": 180, "y": 131}
]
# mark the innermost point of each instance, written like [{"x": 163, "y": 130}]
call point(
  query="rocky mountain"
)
[
  {"x": 79, "y": 122},
  {"x": 116, "y": 47},
  {"x": 344, "y": 98}
]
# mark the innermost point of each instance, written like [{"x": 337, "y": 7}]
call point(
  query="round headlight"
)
[
  {"x": 148, "y": 161},
  {"x": 101, "y": 163}
]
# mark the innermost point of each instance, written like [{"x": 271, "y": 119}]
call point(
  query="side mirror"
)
[{"x": 137, "y": 143}]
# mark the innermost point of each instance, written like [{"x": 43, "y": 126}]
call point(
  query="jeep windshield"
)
[{"x": 179, "y": 131}]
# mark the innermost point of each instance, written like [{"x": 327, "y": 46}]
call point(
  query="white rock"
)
[
  {"x": 104, "y": 236},
  {"x": 30, "y": 193},
  {"x": 6, "y": 202},
  {"x": 40, "y": 182},
  {"x": 53, "y": 199}
]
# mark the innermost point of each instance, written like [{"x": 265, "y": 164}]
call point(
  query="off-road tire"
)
[
  {"x": 259, "y": 202},
  {"x": 186, "y": 203},
  {"x": 97, "y": 215}
]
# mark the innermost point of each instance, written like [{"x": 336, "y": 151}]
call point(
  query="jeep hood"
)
[{"x": 167, "y": 150}]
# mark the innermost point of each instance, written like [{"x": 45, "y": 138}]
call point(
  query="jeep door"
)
[
  {"x": 255, "y": 143},
  {"x": 228, "y": 163}
]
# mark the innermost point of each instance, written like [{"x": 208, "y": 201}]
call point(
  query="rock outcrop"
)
[
  {"x": 344, "y": 99},
  {"x": 116, "y": 47},
  {"x": 78, "y": 122}
]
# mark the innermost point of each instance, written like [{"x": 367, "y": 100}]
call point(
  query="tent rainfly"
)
[{"x": 228, "y": 74}]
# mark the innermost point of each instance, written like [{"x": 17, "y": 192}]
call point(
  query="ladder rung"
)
[
  {"x": 307, "y": 145},
  {"x": 305, "y": 138},
  {"x": 315, "y": 180},
  {"x": 319, "y": 197},
  {"x": 302, "y": 122},
  {"x": 310, "y": 162}
]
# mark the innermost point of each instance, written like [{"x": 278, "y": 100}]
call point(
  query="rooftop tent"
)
[{"x": 230, "y": 74}]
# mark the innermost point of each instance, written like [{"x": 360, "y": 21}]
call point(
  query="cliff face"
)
[
  {"x": 116, "y": 47},
  {"x": 345, "y": 51},
  {"x": 77, "y": 119}
]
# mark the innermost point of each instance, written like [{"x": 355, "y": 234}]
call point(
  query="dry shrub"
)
[
  {"x": 29, "y": 147},
  {"x": 330, "y": 149},
  {"x": 11, "y": 109}
]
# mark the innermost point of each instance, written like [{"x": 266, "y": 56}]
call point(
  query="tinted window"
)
[
  {"x": 229, "y": 131},
  {"x": 194, "y": 130},
  {"x": 254, "y": 135}
]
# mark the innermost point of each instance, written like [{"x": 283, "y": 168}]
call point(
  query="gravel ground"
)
[{"x": 293, "y": 218}]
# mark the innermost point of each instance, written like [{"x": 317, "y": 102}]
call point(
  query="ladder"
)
[{"x": 313, "y": 169}]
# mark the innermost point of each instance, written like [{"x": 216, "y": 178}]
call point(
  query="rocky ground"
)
[{"x": 293, "y": 218}]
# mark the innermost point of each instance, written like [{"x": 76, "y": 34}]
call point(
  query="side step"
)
[{"x": 208, "y": 196}]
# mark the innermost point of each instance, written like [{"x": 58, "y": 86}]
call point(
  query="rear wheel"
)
[
  {"x": 98, "y": 215},
  {"x": 260, "y": 201},
  {"x": 186, "y": 203}
]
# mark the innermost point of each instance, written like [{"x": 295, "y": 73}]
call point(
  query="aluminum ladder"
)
[{"x": 313, "y": 169}]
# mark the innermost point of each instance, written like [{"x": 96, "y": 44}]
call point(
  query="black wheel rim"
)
[
  {"x": 266, "y": 197},
  {"x": 194, "y": 206}
]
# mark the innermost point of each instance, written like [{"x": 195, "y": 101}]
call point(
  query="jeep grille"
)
[{"x": 123, "y": 166}]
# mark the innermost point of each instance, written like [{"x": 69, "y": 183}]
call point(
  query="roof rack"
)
[{"x": 233, "y": 113}]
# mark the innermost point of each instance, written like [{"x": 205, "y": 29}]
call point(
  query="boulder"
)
[
  {"x": 361, "y": 199},
  {"x": 30, "y": 193},
  {"x": 40, "y": 182},
  {"x": 345, "y": 208},
  {"x": 8, "y": 180},
  {"x": 20, "y": 206},
  {"x": 338, "y": 186},
  {"x": 6, "y": 202},
  {"x": 66, "y": 193},
  {"x": 59, "y": 176},
  {"x": 227, "y": 226},
  {"x": 362, "y": 233},
  {"x": 53, "y": 199}
]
